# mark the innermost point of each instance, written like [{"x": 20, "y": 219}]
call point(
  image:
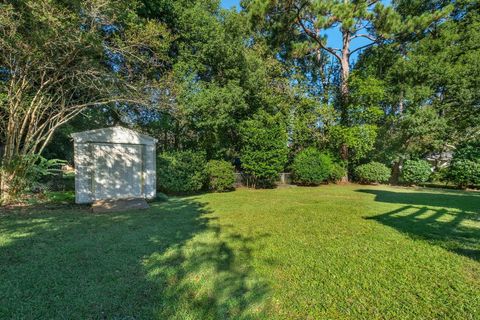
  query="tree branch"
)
[
  {"x": 312, "y": 35},
  {"x": 362, "y": 47},
  {"x": 365, "y": 35}
]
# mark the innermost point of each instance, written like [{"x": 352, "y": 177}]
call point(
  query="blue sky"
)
[
  {"x": 230, "y": 3},
  {"x": 334, "y": 38}
]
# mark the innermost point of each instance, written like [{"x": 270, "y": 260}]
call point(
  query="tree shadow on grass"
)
[
  {"x": 449, "y": 220},
  {"x": 209, "y": 279},
  {"x": 465, "y": 201},
  {"x": 170, "y": 261}
]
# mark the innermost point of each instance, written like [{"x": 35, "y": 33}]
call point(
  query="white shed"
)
[{"x": 114, "y": 163}]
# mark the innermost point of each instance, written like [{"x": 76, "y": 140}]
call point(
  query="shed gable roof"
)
[{"x": 113, "y": 135}]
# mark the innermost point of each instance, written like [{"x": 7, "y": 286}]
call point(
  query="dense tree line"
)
[{"x": 253, "y": 87}]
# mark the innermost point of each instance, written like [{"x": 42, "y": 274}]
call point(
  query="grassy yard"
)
[{"x": 292, "y": 253}]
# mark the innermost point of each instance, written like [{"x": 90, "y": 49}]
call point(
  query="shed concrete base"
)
[{"x": 117, "y": 205}]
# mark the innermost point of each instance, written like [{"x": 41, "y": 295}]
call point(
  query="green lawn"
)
[{"x": 292, "y": 253}]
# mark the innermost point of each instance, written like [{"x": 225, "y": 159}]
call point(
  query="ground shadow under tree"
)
[
  {"x": 450, "y": 220},
  {"x": 170, "y": 261}
]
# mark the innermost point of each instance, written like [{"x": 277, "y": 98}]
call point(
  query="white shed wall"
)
[{"x": 122, "y": 150}]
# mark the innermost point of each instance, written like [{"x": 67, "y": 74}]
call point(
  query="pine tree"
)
[{"x": 310, "y": 20}]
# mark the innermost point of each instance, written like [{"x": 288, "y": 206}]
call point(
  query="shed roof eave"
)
[{"x": 113, "y": 135}]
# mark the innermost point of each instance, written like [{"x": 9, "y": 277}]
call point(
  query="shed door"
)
[{"x": 118, "y": 171}]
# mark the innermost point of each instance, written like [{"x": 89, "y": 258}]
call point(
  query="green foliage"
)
[
  {"x": 213, "y": 111},
  {"x": 469, "y": 151},
  {"x": 359, "y": 139},
  {"x": 337, "y": 173},
  {"x": 421, "y": 131},
  {"x": 222, "y": 74},
  {"x": 446, "y": 62},
  {"x": 60, "y": 181},
  {"x": 196, "y": 76},
  {"x": 24, "y": 174},
  {"x": 373, "y": 172},
  {"x": 366, "y": 95},
  {"x": 413, "y": 135},
  {"x": 72, "y": 55},
  {"x": 61, "y": 147},
  {"x": 431, "y": 80},
  {"x": 181, "y": 171},
  {"x": 416, "y": 171},
  {"x": 300, "y": 28},
  {"x": 311, "y": 167},
  {"x": 465, "y": 173},
  {"x": 221, "y": 175},
  {"x": 440, "y": 175},
  {"x": 304, "y": 125},
  {"x": 465, "y": 167},
  {"x": 264, "y": 150}
]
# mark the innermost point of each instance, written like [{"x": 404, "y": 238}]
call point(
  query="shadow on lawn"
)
[
  {"x": 464, "y": 201},
  {"x": 171, "y": 261},
  {"x": 449, "y": 220}
]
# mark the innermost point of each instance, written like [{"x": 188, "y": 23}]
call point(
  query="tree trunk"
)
[
  {"x": 344, "y": 92},
  {"x": 344, "y": 157},
  {"x": 345, "y": 74},
  {"x": 5, "y": 187},
  {"x": 401, "y": 103},
  {"x": 395, "y": 178}
]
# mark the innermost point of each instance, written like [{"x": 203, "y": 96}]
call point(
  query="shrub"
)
[
  {"x": 311, "y": 167},
  {"x": 221, "y": 175},
  {"x": 337, "y": 173},
  {"x": 373, "y": 172},
  {"x": 416, "y": 171},
  {"x": 181, "y": 172},
  {"x": 264, "y": 149},
  {"x": 24, "y": 175},
  {"x": 465, "y": 167},
  {"x": 464, "y": 172},
  {"x": 439, "y": 175}
]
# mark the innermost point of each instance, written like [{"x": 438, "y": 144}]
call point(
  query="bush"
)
[
  {"x": 24, "y": 175},
  {"x": 465, "y": 167},
  {"x": 439, "y": 175},
  {"x": 311, "y": 167},
  {"x": 264, "y": 149},
  {"x": 373, "y": 172},
  {"x": 221, "y": 175},
  {"x": 416, "y": 171},
  {"x": 181, "y": 172},
  {"x": 337, "y": 173},
  {"x": 464, "y": 172}
]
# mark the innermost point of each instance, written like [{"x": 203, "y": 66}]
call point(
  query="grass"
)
[
  {"x": 292, "y": 253},
  {"x": 47, "y": 199}
]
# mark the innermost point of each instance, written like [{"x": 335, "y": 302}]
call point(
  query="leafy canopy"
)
[{"x": 264, "y": 151}]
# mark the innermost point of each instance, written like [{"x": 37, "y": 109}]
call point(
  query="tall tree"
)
[
  {"x": 367, "y": 19},
  {"x": 312, "y": 20},
  {"x": 223, "y": 73},
  {"x": 431, "y": 80}
]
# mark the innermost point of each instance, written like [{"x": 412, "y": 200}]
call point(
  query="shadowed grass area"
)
[
  {"x": 166, "y": 262},
  {"x": 449, "y": 219},
  {"x": 290, "y": 253}
]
